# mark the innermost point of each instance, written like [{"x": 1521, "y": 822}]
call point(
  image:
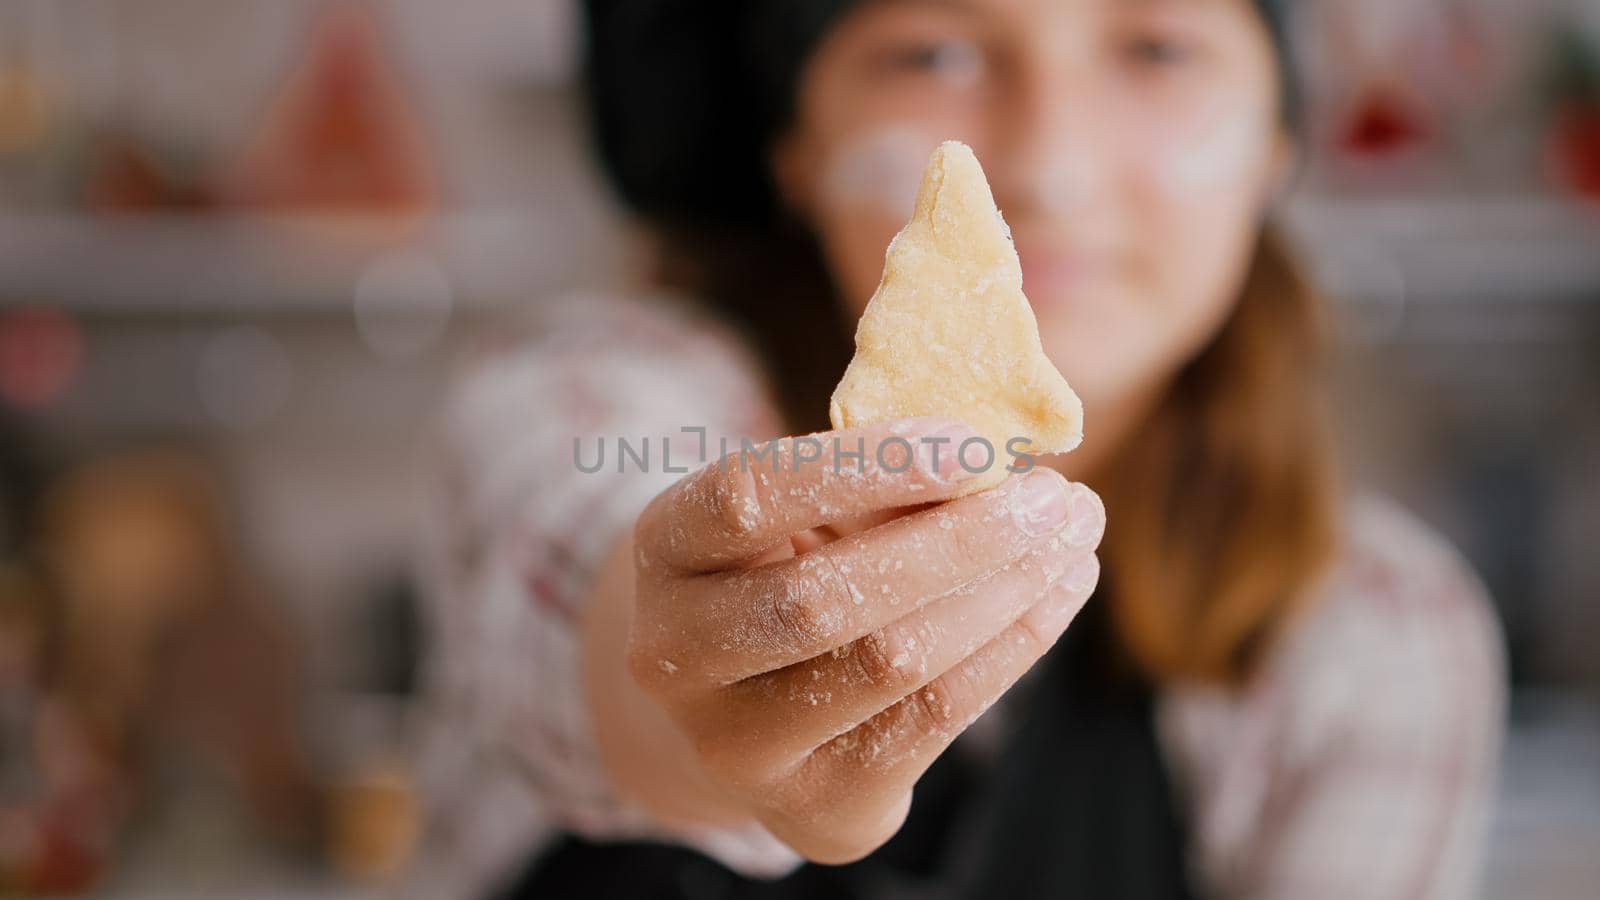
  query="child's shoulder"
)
[
  {"x": 606, "y": 362},
  {"x": 1400, "y": 626},
  {"x": 1396, "y": 580},
  {"x": 613, "y": 322}
]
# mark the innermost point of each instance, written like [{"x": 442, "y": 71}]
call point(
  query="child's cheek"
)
[
  {"x": 1215, "y": 147},
  {"x": 877, "y": 172},
  {"x": 866, "y": 190}
]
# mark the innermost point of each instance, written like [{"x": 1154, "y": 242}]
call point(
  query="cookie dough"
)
[{"x": 950, "y": 333}]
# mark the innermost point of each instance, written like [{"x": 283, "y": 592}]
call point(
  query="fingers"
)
[
  {"x": 751, "y": 500},
  {"x": 812, "y": 702},
  {"x": 764, "y": 619},
  {"x": 896, "y": 746}
]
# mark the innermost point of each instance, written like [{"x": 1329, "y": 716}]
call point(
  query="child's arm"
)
[{"x": 519, "y": 539}]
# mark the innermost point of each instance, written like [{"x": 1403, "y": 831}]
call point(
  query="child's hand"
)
[{"x": 816, "y": 689}]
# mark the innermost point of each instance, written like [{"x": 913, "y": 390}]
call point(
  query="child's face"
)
[{"x": 1132, "y": 146}]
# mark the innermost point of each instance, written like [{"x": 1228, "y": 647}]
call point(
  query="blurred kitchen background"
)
[{"x": 243, "y": 245}]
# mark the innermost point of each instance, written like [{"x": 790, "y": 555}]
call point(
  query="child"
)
[{"x": 1279, "y": 689}]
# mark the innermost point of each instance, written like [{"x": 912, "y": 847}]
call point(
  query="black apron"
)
[{"x": 1077, "y": 805}]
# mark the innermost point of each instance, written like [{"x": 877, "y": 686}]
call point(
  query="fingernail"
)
[
  {"x": 1081, "y": 574},
  {"x": 939, "y": 452},
  {"x": 1064, "y": 599},
  {"x": 1087, "y": 516},
  {"x": 1040, "y": 504}
]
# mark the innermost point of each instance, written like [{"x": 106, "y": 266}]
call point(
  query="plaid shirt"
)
[{"x": 1359, "y": 763}]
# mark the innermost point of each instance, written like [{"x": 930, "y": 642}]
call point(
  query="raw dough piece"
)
[{"x": 950, "y": 333}]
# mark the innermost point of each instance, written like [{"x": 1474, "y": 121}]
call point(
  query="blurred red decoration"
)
[
  {"x": 1384, "y": 124},
  {"x": 1575, "y": 149},
  {"x": 40, "y": 354},
  {"x": 125, "y": 177},
  {"x": 1573, "y": 146},
  {"x": 340, "y": 136}
]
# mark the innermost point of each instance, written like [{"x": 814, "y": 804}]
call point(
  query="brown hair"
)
[{"x": 1221, "y": 506}]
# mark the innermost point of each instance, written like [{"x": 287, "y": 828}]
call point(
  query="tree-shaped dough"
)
[{"x": 950, "y": 333}]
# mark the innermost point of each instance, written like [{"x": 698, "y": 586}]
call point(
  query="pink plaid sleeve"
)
[
  {"x": 522, "y": 533},
  {"x": 1362, "y": 762}
]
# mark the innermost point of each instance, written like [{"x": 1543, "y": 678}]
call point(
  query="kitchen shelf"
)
[
  {"x": 245, "y": 265},
  {"x": 1502, "y": 248},
  {"x": 1361, "y": 249}
]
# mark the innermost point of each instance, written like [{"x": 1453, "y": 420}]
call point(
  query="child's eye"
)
[
  {"x": 956, "y": 60},
  {"x": 1156, "y": 51}
]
